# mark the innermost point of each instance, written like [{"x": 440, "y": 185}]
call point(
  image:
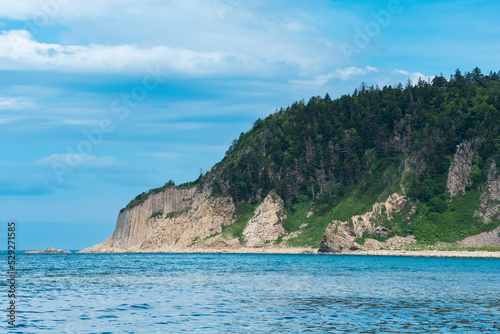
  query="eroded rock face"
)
[
  {"x": 489, "y": 239},
  {"x": 192, "y": 220},
  {"x": 489, "y": 210},
  {"x": 340, "y": 236},
  {"x": 133, "y": 226},
  {"x": 266, "y": 225},
  {"x": 397, "y": 240},
  {"x": 460, "y": 168},
  {"x": 189, "y": 216},
  {"x": 489, "y": 205},
  {"x": 372, "y": 244},
  {"x": 205, "y": 217}
]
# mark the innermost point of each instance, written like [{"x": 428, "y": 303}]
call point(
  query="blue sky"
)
[{"x": 103, "y": 99}]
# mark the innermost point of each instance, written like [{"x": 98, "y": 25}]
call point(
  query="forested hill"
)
[
  {"x": 434, "y": 143},
  {"x": 320, "y": 148}
]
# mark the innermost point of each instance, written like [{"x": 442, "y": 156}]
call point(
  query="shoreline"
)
[
  {"x": 309, "y": 251},
  {"x": 426, "y": 253}
]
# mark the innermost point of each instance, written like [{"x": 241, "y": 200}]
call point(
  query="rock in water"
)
[{"x": 48, "y": 250}]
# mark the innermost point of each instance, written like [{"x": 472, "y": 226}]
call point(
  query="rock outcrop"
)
[
  {"x": 48, "y": 250},
  {"x": 266, "y": 225},
  {"x": 340, "y": 236},
  {"x": 489, "y": 205},
  {"x": 488, "y": 211},
  {"x": 460, "y": 168},
  {"x": 169, "y": 220},
  {"x": 488, "y": 239},
  {"x": 176, "y": 220}
]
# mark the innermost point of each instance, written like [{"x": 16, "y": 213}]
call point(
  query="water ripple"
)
[{"x": 159, "y": 293}]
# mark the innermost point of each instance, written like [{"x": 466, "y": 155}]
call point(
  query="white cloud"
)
[
  {"x": 414, "y": 77},
  {"x": 349, "y": 72},
  {"x": 12, "y": 103},
  {"x": 18, "y": 50},
  {"x": 83, "y": 161},
  {"x": 74, "y": 122},
  {"x": 187, "y": 37},
  {"x": 6, "y": 102},
  {"x": 54, "y": 9},
  {"x": 340, "y": 74}
]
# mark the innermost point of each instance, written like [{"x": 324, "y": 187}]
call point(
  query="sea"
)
[{"x": 252, "y": 293}]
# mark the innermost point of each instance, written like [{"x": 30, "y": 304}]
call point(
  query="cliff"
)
[
  {"x": 170, "y": 220},
  {"x": 190, "y": 220},
  {"x": 382, "y": 168},
  {"x": 488, "y": 211}
]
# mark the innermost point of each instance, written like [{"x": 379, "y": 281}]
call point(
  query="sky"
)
[{"x": 101, "y": 100}]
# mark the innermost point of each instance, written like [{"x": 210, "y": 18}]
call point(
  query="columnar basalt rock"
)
[
  {"x": 460, "y": 168},
  {"x": 191, "y": 219}
]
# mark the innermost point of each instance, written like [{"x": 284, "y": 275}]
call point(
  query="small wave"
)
[{"x": 141, "y": 306}]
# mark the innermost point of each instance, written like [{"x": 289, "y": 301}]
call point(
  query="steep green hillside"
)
[{"x": 332, "y": 159}]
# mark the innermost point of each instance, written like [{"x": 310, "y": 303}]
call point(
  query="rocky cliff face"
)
[
  {"x": 134, "y": 226},
  {"x": 266, "y": 225},
  {"x": 489, "y": 205},
  {"x": 190, "y": 219},
  {"x": 170, "y": 220},
  {"x": 340, "y": 236},
  {"x": 178, "y": 220},
  {"x": 458, "y": 175}
]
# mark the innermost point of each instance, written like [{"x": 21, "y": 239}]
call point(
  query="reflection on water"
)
[{"x": 171, "y": 293}]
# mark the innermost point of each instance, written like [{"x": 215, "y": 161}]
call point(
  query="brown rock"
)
[
  {"x": 460, "y": 168},
  {"x": 266, "y": 225}
]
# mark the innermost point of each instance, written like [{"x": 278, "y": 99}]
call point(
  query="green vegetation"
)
[
  {"x": 306, "y": 149},
  {"x": 211, "y": 236},
  {"x": 452, "y": 224},
  {"x": 447, "y": 247},
  {"x": 337, "y": 158},
  {"x": 191, "y": 184},
  {"x": 141, "y": 198},
  {"x": 173, "y": 214},
  {"x": 156, "y": 214},
  {"x": 377, "y": 237},
  {"x": 297, "y": 215}
]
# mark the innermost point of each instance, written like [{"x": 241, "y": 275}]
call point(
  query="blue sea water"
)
[{"x": 235, "y": 293}]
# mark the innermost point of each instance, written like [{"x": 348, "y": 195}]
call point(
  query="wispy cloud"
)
[
  {"x": 85, "y": 162},
  {"x": 189, "y": 38},
  {"x": 414, "y": 77},
  {"x": 6, "y": 102},
  {"x": 19, "y": 50},
  {"x": 14, "y": 103},
  {"x": 339, "y": 73},
  {"x": 371, "y": 75}
]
